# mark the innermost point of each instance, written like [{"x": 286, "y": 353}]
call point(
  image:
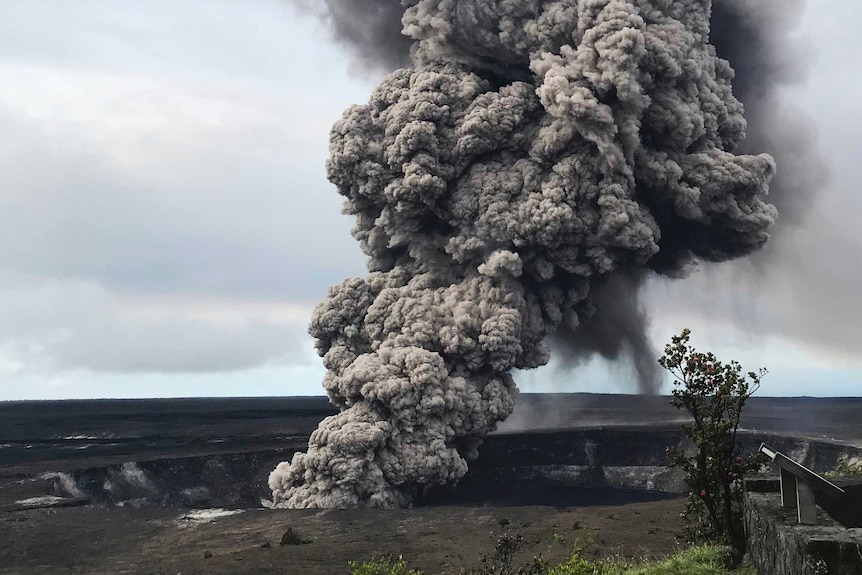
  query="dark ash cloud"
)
[{"x": 518, "y": 182}]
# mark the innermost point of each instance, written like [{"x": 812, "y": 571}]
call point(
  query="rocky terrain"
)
[{"x": 170, "y": 486}]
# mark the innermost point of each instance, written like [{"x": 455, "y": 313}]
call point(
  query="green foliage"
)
[
  {"x": 846, "y": 466},
  {"x": 502, "y": 562},
  {"x": 699, "y": 560},
  {"x": 714, "y": 394},
  {"x": 577, "y": 565},
  {"x": 382, "y": 566}
]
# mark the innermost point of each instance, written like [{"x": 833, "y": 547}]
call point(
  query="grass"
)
[
  {"x": 384, "y": 566},
  {"x": 698, "y": 560}
]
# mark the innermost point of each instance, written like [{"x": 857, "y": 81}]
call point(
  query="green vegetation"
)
[
  {"x": 847, "y": 466},
  {"x": 698, "y": 560},
  {"x": 383, "y": 566},
  {"x": 503, "y": 559},
  {"x": 714, "y": 394}
]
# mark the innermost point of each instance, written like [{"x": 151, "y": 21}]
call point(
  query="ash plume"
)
[
  {"x": 371, "y": 28},
  {"x": 754, "y": 36},
  {"x": 517, "y": 182}
]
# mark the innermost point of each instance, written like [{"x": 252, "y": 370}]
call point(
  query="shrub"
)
[
  {"x": 714, "y": 394},
  {"x": 577, "y": 565},
  {"x": 502, "y": 562},
  {"x": 382, "y": 566},
  {"x": 698, "y": 560},
  {"x": 847, "y": 465}
]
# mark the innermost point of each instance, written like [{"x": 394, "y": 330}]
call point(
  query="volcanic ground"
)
[{"x": 174, "y": 486}]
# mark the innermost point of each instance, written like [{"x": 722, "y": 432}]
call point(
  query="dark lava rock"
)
[{"x": 291, "y": 537}]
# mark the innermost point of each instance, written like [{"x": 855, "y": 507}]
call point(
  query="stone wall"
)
[{"x": 779, "y": 546}]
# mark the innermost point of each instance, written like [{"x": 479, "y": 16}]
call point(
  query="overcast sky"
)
[{"x": 166, "y": 225}]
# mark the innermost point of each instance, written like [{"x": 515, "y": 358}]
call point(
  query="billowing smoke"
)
[
  {"x": 754, "y": 36},
  {"x": 371, "y": 28},
  {"x": 538, "y": 159}
]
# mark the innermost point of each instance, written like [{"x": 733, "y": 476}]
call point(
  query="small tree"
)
[
  {"x": 714, "y": 394},
  {"x": 503, "y": 560}
]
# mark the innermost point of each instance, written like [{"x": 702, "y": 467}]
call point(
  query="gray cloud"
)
[
  {"x": 69, "y": 214},
  {"x": 151, "y": 165},
  {"x": 177, "y": 345},
  {"x": 371, "y": 29},
  {"x": 231, "y": 230},
  {"x": 55, "y": 326}
]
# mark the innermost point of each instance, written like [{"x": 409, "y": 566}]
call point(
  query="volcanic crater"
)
[{"x": 192, "y": 474}]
